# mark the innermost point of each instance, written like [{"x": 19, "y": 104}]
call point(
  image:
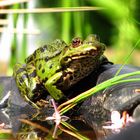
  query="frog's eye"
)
[
  {"x": 76, "y": 42},
  {"x": 92, "y": 38}
]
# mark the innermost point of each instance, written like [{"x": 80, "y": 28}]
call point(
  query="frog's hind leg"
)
[
  {"x": 21, "y": 77},
  {"x": 23, "y": 82}
]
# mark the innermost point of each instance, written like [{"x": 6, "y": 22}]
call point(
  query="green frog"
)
[{"x": 57, "y": 66}]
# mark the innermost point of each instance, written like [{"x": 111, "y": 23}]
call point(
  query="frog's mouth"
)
[{"x": 91, "y": 53}]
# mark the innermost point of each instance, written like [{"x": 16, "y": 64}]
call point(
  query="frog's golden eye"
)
[{"x": 76, "y": 42}]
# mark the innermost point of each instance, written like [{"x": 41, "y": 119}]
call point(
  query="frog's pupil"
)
[{"x": 76, "y": 42}]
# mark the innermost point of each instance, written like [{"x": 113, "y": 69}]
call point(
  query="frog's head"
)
[
  {"x": 90, "y": 49},
  {"x": 81, "y": 58}
]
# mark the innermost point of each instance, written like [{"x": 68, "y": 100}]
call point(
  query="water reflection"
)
[
  {"x": 44, "y": 130},
  {"x": 26, "y": 127}
]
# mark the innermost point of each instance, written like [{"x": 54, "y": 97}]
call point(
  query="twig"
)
[
  {"x": 48, "y": 10},
  {"x": 35, "y": 125}
]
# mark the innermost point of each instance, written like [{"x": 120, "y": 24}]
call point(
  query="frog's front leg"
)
[
  {"x": 23, "y": 82},
  {"x": 51, "y": 87}
]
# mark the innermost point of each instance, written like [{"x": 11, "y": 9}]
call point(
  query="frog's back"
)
[{"x": 47, "y": 51}]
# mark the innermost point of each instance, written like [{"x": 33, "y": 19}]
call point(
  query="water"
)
[{"x": 36, "y": 129}]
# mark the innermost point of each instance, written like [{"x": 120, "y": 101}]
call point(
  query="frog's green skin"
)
[{"x": 57, "y": 66}]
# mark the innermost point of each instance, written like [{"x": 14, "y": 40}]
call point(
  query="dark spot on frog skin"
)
[
  {"x": 45, "y": 46},
  {"x": 29, "y": 59},
  {"x": 44, "y": 80},
  {"x": 71, "y": 77},
  {"x": 20, "y": 70},
  {"x": 42, "y": 49},
  {"x": 39, "y": 67},
  {"x": 22, "y": 78},
  {"x": 50, "y": 66},
  {"x": 46, "y": 59},
  {"x": 43, "y": 70},
  {"x": 33, "y": 74}
]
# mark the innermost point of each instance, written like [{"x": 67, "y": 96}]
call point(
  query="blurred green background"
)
[{"x": 117, "y": 24}]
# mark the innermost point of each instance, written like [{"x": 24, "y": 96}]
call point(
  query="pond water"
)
[{"x": 34, "y": 129}]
